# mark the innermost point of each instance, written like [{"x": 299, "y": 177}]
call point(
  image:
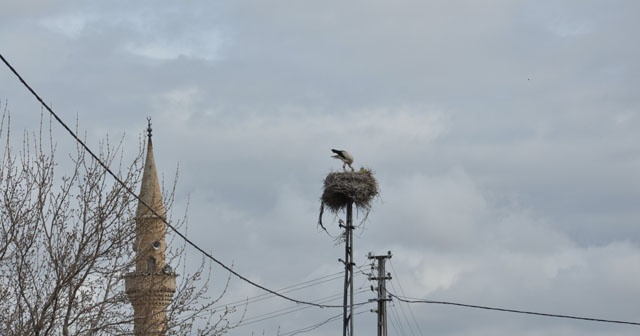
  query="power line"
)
[
  {"x": 282, "y": 311},
  {"x": 312, "y": 327},
  {"x": 108, "y": 170},
  {"x": 402, "y": 291},
  {"x": 293, "y": 309},
  {"x": 404, "y": 314},
  {"x": 395, "y": 320},
  {"x": 288, "y": 289},
  {"x": 317, "y": 325},
  {"x": 409, "y": 300}
]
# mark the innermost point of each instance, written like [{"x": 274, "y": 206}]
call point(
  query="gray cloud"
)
[{"x": 503, "y": 136}]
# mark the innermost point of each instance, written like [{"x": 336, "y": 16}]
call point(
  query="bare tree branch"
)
[{"x": 66, "y": 237}]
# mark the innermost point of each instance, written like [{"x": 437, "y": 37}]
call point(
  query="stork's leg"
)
[
  {"x": 350, "y": 166},
  {"x": 343, "y": 166}
]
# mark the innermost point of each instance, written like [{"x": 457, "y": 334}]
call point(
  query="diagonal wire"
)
[
  {"x": 317, "y": 325},
  {"x": 395, "y": 320},
  {"x": 402, "y": 292},
  {"x": 292, "y": 309},
  {"x": 292, "y": 288},
  {"x": 108, "y": 170},
  {"x": 404, "y": 314}
]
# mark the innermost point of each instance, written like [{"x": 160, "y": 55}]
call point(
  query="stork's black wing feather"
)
[{"x": 339, "y": 152}]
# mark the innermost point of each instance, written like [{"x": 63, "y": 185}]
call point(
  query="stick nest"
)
[{"x": 342, "y": 188}]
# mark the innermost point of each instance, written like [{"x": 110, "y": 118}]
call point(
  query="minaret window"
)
[{"x": 151, "y": 264}]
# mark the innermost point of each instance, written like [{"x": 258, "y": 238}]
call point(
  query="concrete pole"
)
[
  {"x": 348, "y": 277},
  {"x": 382, "y": 298}
]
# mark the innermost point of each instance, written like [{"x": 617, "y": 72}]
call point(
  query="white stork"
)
[{"x": 343, "y": 156}]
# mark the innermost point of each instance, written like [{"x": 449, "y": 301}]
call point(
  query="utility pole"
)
[
  {"x": 382, "y": 298},
  {"x": 341, "y": 191},
  {"x": 347, "y": 316}
]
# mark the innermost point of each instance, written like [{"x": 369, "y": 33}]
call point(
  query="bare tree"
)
[{"x": 66, "y": 237}]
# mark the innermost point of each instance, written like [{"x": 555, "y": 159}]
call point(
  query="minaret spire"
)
[
  {"x": 150, "y": 194},
  {"x": 151, "y": 286}
]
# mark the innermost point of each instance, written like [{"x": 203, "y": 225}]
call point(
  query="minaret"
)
[{"x": 151, "y": 286}]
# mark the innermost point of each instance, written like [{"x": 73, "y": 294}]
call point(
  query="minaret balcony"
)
[{"x": 145, "y": 284}]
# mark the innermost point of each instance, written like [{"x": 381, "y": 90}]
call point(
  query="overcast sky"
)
[{"x": 504, "y": 135}]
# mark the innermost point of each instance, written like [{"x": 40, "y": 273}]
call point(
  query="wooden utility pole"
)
[{"x": 382, "y": 298}]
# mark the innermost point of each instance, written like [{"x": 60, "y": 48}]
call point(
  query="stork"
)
[{"x": 343, "y": 156}]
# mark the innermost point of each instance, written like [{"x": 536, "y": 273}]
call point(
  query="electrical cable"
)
[
  {"x": 410, "y": 300},
  {"x": 317, "y": 325},
  {"x": 108, "y": 170},
  {"x": 312, "y": 327},
  {"x": 280, "y": 312},
  {"x": 415, "y": 321},
  {"x": 404, "y": 314},
  {"x": 395, "y": 320},
  {"x": 292, "y": 309},
  {"x": 283, "y": 290}
]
